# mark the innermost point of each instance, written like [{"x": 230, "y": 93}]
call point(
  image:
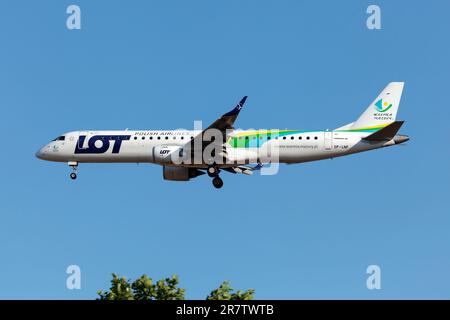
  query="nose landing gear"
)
[{"x": 74, "y": 165}]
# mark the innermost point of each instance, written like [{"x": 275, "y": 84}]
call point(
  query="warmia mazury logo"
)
[{"x": 379, "y": 105}]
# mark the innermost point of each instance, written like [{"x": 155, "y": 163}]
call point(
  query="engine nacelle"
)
[
  {"x": 163, "y": 154},
  {"x": 180, "y": 173}
]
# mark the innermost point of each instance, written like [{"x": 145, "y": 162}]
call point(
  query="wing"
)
[
  {"x": 248, "y": 170},
  {"x": 224, "y": 123}
]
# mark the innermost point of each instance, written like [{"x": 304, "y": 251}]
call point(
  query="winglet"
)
[{"x": 236, "y": 109}]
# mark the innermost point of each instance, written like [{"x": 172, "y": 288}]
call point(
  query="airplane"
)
[{"x": 186, "y": 154}]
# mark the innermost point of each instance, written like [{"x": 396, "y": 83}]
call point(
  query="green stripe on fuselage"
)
[
  {"x": 255, "y": 139},
  {"x": 366, "y": 129}
]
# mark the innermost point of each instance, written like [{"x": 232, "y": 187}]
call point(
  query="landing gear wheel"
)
[
  {"x": 74, "y": 166},
  {"x": 217, "y": 182},
  {"x": 212, "y": 171}
]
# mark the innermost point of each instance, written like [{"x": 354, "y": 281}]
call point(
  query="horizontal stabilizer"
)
[{"x": 387, "y": 133}]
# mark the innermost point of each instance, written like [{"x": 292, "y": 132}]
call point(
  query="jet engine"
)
[
  {"x": 180, "y": 173},
  {"x": 166, "y": 154}
]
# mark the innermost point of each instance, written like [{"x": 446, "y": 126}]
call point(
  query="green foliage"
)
[
  {"x": 143, "y": 289},
  {"x": 120, "y": 290},
  {"x": 225, "y": 292},
  {"x": 165, "y": 289}
]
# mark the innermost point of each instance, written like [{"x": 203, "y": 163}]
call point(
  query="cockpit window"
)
[{"x": 61, "y": 138}]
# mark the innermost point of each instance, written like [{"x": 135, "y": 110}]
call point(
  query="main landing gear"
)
[
  {"x": 74, "y": 165},
  {"x": 213, "y": 172},
  {"x": 217, "y": 182}
]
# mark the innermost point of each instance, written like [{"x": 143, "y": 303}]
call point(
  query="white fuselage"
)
[{"x": 290, "y": 146}]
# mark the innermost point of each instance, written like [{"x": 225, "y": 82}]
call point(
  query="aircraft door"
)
[{"x": 328, "y": 140}]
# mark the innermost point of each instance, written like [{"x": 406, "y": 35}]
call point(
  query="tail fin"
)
[{"x": 383, "y": 110}]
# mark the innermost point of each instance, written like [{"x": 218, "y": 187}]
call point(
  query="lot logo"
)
[
  {"x": 379, "y": 105},
  {"x": 100, "y": 144}
]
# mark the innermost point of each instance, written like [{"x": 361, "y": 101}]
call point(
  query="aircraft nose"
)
[{"x": 40, "y": 154}]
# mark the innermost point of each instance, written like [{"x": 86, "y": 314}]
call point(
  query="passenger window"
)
[
  {"x": 284, "y": 138},
  {"x": 300, "y": 138},
  {"x": 151, "y": 138},
  {"x": 292, "y": 138},
  {"x": 135, "y": 138},
  {"x": 143, "y": 138},
  {"x": 167, "y": 138},
  {"x": 159, "y": 138},
  {"x": 307, "y": 138},
  {"x": 315, "y": 138}
]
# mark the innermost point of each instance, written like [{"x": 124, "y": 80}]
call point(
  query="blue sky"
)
[{"x": 308, "y": 232}]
